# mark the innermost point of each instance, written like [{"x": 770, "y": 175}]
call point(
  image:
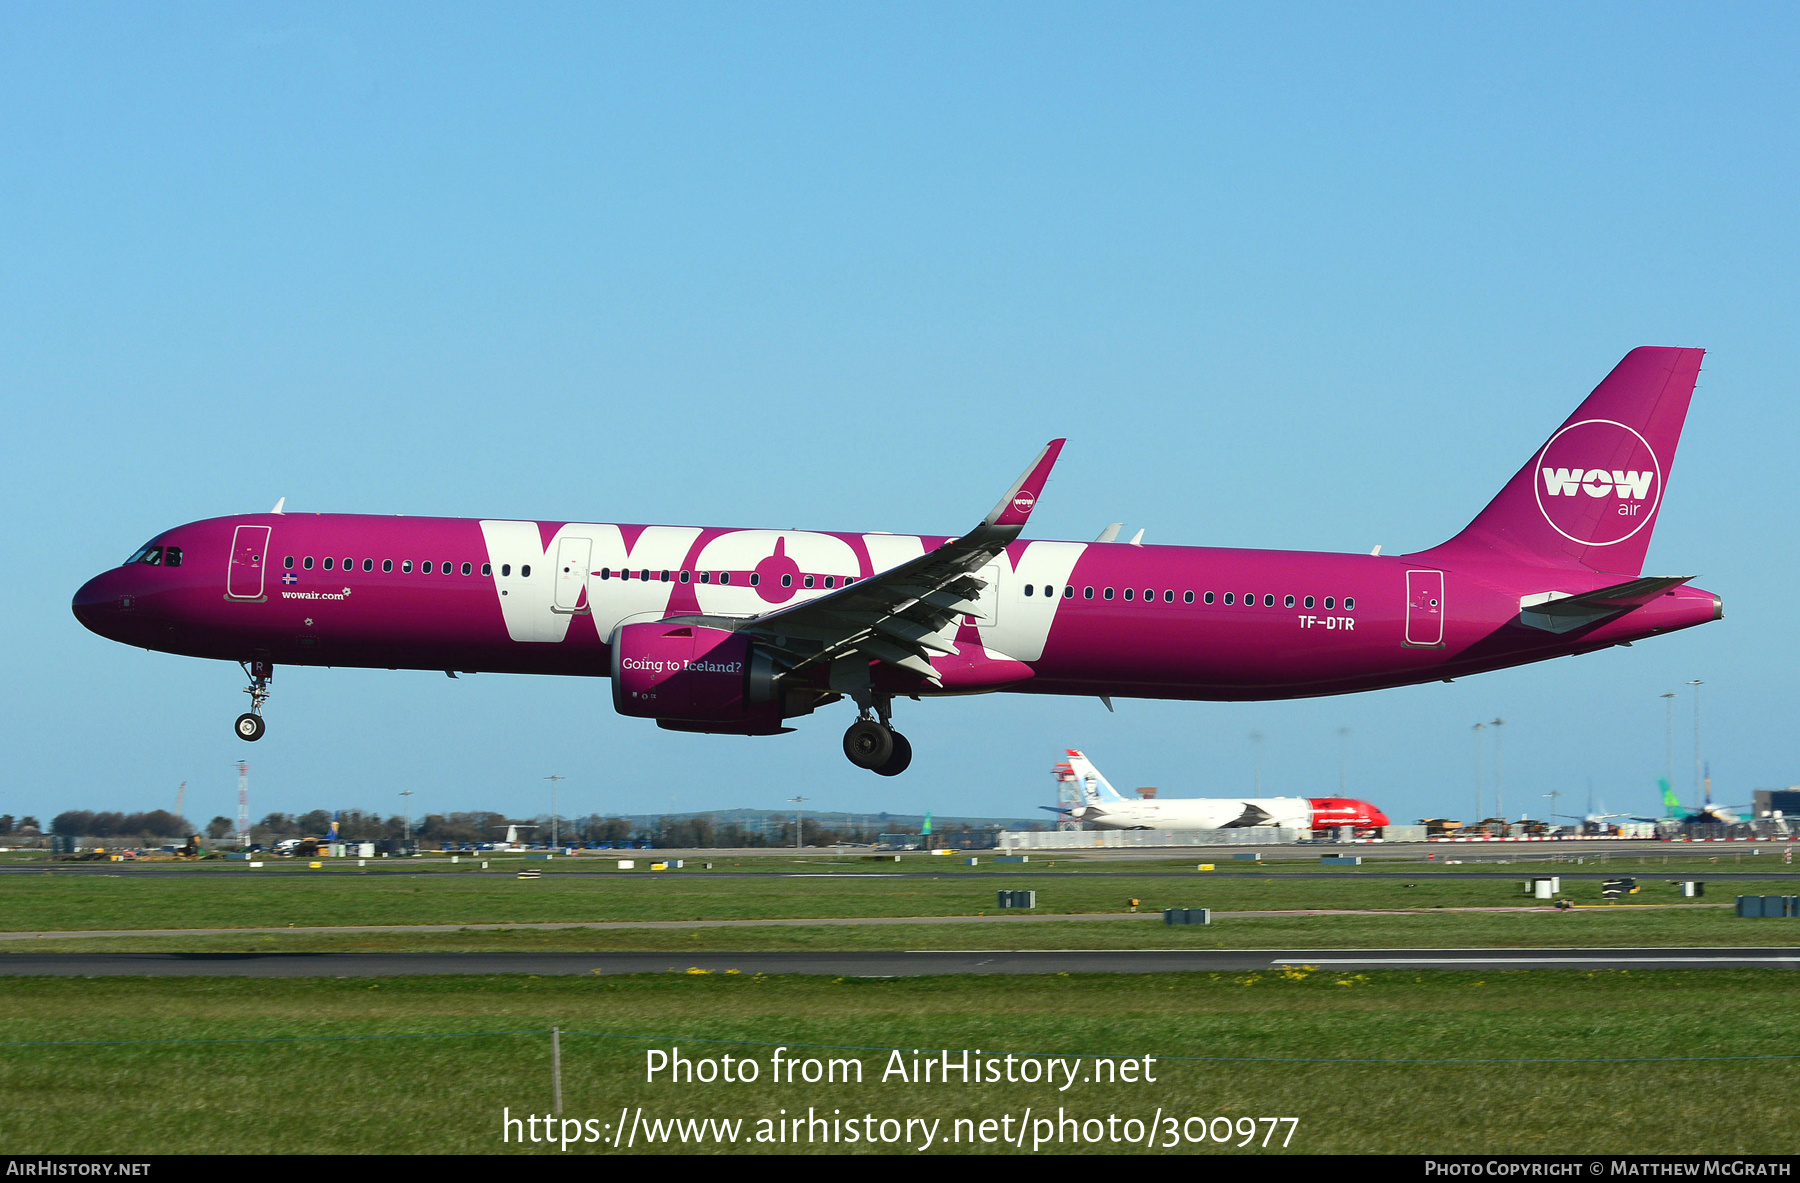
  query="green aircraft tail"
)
[{"x": 1671, "y": 803}]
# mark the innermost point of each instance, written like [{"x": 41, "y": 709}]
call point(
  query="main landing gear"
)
[
  {"x": 250, "y": 725},
  {"x": 873, "y": 743}
]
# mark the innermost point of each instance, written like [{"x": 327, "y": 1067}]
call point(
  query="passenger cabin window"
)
[
  {"x": 328, "y": 563},
  {"x": 425, "y": 567},
  {"x": 1268, "y": 601},
  {"x": 387, "y": 565},
  {"x": 1030, "y": 590},
  {"x": 1128, "y": 592},
  {"x": 787, "y": 581},
  {"x": 525, "y": 571},
  {"x": 506, "y": 568},
  {"x": 1107, "y": 593},
  {"x": 1149, "y": 594},
  {"x": 684, "y": 576},
  {"x": 487, "y": 568},
  {"x": 288, "y": 562},
  {"x": 1288, "y": 603},
  {"x": 307, "y": 562},
  {"x": 468, "y": 569},
  {"x": 724, "y": 577},
  {"x": 1228, "y": 599},
  {"x": 1308, "y": 601},
  {"x": 446, "y": 567},
  {"x": 405, "y": 566},
  {"x": 807, "y": 581},
  {"x": 1187, "y": 597},
  {"x": 755, "y": 579},
  {"x": 1068, "y": 593},
  {"x": 349, "y": 564},
  {"x": 1329, "y": 601},
  {"x": 706, "y": 577},
  {"x": 830, "y": 581},
  {"x": 1087, "y": 593},
  {"x": 1349, "y": 604},
  {"x": 368, "y": 564}
]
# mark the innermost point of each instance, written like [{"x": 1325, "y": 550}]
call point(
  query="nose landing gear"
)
[
  {"x": 249, "y": 725},
  {"x": 873, "y": 743}
]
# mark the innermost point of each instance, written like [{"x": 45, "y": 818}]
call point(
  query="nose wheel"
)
[{"x": 249, "y": 725}]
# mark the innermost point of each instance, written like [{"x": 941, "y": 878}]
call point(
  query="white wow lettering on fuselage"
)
[{"x": 1597, "y": 482}]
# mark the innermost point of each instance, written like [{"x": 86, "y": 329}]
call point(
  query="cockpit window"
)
[
  {"x": 172, "y": 557},
  {"x": 147, "y": 554}
]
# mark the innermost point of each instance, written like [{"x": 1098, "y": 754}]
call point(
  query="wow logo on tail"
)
[{"x": 1600, "y": 482}]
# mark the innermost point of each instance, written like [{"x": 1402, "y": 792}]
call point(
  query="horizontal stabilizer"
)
[{"x": 1562, "y": 612}]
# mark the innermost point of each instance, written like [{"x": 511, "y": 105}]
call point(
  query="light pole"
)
[
  {"x": 406, "y": 822},
  {"x": 1499, "y": 800},
  {"x": 1696, "y": 684},
  {"x": 798, "y": 803},
  {"x": 1669, "y": 742},
  {"x": 1479, "y": 728},
  {"x": 555, "y": 829}
]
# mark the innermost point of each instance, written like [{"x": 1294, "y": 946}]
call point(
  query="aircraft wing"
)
[
  {"x": 904, "y": 614},
  {"x": 1559, "y": 612}
]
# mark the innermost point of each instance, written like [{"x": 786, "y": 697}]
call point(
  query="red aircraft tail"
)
[{"x": 1588, "y": 498}]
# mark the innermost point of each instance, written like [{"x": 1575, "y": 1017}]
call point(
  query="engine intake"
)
[{"x": 690, "y": 678}]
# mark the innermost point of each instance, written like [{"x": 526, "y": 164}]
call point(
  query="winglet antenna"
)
[{"x": 278, "y": 505}]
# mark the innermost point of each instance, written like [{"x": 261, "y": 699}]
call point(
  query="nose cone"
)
[
  {"x": 1375, "y": 816},
  {"x": 102, "y": 602}
]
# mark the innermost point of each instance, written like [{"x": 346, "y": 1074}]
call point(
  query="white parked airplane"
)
[{"x": 1105, "y": 808}]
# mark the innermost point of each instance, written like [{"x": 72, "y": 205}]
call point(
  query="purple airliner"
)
[{"x": 735, "y": 631}]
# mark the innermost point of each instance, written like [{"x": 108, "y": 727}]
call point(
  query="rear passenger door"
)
[{"x": 1425, "y": 608}]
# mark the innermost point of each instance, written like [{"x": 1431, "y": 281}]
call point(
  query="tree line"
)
[
  {"x": 355, "y": 825},
  {"x": 158, "y": 823}
]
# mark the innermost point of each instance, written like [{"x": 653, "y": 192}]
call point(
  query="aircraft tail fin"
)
[
  {"x": 1587, "y": 500},
  {"x": 1094, "y": 787}
]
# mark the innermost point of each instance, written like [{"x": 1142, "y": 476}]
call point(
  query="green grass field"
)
[
  {"x": 1281, "y": 1043},
  {"x": 342, "y": 896},
  {"x": 446, "y": 1094}
]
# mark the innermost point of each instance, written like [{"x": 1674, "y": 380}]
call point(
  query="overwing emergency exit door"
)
[
  {"x": 572, "y": 556},
  {"x": 1425, "y": 608},
  {"x": 249, "y": 554}
]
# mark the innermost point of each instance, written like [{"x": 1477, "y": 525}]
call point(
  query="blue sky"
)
[{"x": 1285, "y": 275}]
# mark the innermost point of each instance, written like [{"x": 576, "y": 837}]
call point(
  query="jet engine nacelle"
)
[{"x": 690, "y": 678}]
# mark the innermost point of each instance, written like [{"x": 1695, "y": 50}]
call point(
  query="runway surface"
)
[
  {"x": 910, "y": 963},
  {"x": 784, "y": 922},
  {"x": 1521, "y": 870}
]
